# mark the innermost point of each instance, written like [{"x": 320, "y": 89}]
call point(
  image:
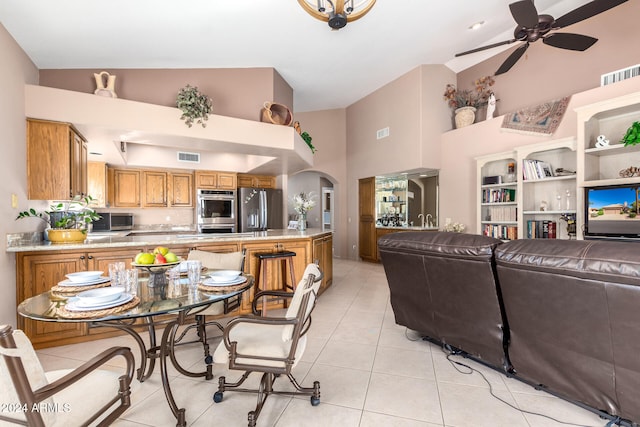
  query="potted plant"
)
[
  {"x": 464, "y": 102},
  {"x": 194, "y": 105},
  {"x": 68, "y": 221}
]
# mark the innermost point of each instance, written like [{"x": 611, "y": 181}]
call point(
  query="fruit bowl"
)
[{"x": 156, "y": 272}]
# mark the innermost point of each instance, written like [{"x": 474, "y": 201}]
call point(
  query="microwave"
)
[{"x": 113, "y": 221}]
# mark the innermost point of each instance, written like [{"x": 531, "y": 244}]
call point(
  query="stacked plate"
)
[
  {"x": 84, "y": 278},
  {"x": 224, "y": 278},
  {"x": 98, "y": 299}
]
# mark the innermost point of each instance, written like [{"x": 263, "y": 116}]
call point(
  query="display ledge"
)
[
  {"x": 108, "y": 241},
  {"x": 500, "y": 222},
  {"x": 612, "y": 149},
  {"x": 566, "y": 211},
  {"x": 504, "y": 184},
  {"x": 553, "y": 178},
  {"x": 610, "y": 181},
  {"x": 499, "y": 203}
]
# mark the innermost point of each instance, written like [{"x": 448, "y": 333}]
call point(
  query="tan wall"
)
[
  {"x": 16, "y": 70},
  {"x": 236, "y": 92},
  {"x": 328, "y": 129},
  {"x": 546, "y": 73}
]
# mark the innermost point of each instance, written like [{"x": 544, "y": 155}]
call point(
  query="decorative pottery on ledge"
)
[
  {"x": 465, "y": 116},
  {"x": 72, "y": 235}
]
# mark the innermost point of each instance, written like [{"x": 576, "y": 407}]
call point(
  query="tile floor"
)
[{"x": 372, "y": 373}]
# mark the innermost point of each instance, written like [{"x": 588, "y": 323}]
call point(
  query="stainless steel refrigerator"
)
[{"x": 259, "y": 209}]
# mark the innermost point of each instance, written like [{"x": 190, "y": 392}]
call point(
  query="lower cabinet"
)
[
  {"x": 323, "y": 255},
  {"x": 39, "y": 272}
]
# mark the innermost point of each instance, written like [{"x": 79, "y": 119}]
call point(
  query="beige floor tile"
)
[
  {"x": 446, "y": 371},
  {"x": 403, "y": 338},
  {"x": 361, "y": 335},
  {"x": 300, "y": 413},
  {"x": 371, "y": 419},
  {"x": 339, "y": 386},
  {"x": 406, "y": 363},
  {"x": 556, "y": 408},
  {"x": 405, "y": 397},
  {"x": 347, "y": 355},
  {"x": 234, "y": 408},
  {"x": 470, "y": 406}
]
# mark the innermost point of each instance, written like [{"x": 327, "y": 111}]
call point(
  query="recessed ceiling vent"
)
[
  {"x": 616, "y": 76},
  {"x": 183, "y": 156}
]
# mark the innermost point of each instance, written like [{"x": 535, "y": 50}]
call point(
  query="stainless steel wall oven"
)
[{"x": 216, "y": 211}]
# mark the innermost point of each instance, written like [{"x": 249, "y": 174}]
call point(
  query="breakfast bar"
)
[{"x": 40, "y": 265}]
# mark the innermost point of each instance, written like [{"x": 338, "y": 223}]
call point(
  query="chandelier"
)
[{"x": 337, "y": 12}]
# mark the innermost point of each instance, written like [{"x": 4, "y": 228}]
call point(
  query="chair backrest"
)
[
  {"x": 308, "y": 285},
  {"x": 219, "y": 261},
  {"x": 20, "y": 374}
]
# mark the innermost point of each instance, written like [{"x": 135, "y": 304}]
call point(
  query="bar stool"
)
[{"x": 282, "y": 257}]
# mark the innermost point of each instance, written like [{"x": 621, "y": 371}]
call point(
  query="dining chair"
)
[
  {"x": 70, "y": 397},
  {"x": 214, "y": 261},
  {"x": 270, "y": 345}
]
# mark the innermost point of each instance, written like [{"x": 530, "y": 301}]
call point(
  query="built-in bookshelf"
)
[{"x": 497, "y": 214}]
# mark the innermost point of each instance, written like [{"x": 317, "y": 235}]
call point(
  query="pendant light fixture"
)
[{"x": 337, "y": 13}]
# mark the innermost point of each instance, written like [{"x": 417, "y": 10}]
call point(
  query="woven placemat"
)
[
  {"x": 74, "y": 289},
  {"x": 231, "y": 288},
  {"x": 67, "y": 314}
]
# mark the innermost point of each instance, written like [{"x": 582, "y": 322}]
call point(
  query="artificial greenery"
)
[
  {"x": 632, "y": 137},
  {"x": 195, "y": 106},
  {"x": 307, "y": 139},
  {"x": 66, "y": 215}
]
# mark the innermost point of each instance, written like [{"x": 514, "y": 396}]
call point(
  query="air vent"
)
[
  {"x": 188, "y": 157},
  {"x": 616, "y": 76},
  {"x": 382, "y": 133}
]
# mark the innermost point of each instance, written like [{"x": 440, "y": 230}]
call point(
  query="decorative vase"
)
[
  {"x": 302, "y": 222},
  {"x": 71, "y": 235},
  {"x": 464, "y": 116}
]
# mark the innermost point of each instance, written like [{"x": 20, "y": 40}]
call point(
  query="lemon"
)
[
  {"x": 171, "y": 257},
  {"x": 144, "y": 258}
]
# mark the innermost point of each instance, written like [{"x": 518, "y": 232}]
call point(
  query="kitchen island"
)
[{"x": 40, "y": 265}]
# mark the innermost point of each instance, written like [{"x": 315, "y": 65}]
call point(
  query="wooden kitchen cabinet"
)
[
  {"x": 56, "y": 161},
  {"x": 39, "y": 272},
  {"x": 124, "y": 188},
  {"x": 367, "y": 220},
  {"x": 212, "y": 180},
  {"x": 323, "y": 255},
  {"x": 97, "y": 183},
  {"x": 256, "y": 181},
  {"x": 181, "y": 190},
  {"x": 154, "y": 189}
]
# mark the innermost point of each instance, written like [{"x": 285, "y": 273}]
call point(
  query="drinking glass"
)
[
  {"x": 193, "y": 272},
  {"x": 130, "y": 279},
  {"x": 115, "y": 268}
]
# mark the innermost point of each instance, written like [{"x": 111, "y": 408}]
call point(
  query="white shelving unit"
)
[
  {"x": 493, "y": 217},
  {"x": 601, "y": 166}
]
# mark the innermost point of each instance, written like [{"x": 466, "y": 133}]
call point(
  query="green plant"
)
[
  {"x": 632, "y": 137},
  {"x": 194, "y": 105},
  {"x": 67, "y": 214},
  {"x": 307, "y": 139}
]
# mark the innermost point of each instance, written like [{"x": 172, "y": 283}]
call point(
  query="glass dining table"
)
[{"x": 170, "y": 304}]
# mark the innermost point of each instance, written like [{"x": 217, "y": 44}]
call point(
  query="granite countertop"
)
[{"x": 31, "y": 242}]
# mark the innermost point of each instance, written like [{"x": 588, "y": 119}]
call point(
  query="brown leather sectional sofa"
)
[{"x": 560, "y": 315}]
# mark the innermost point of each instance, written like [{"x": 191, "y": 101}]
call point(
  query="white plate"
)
[
  {"x": 100, "y": 295},
  {"x": 68, "y": 282},
  {"x": 224, "y": 275},
  {"x": 84, "y": 276},
  {"x": 235, "y": 281},
  {"x": 74, "y": 304}
]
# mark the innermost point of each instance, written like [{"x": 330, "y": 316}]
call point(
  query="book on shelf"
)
[
  {"x": 498, "y": 195},
  {"x": 541, "y": 229},
  {"x": 503, "y": 232},
  {"x": 501, "y": 213},
  {"x": 536, "y": 169}
]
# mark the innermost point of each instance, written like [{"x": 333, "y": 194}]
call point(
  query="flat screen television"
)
[{"x": 612, "y": 211}]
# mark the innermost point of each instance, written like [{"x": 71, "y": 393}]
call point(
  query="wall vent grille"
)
[
  {"x": 619, "y": 75},
  {"x": 382, "y": 133},
  {"x": 183, "y": 156}
]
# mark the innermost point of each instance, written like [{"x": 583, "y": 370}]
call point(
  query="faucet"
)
[
  {"x": 421, "y": 216},
  {"x": 429, "y": 220}
]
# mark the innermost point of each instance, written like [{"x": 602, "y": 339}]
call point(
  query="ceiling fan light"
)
[
  {"x": 476, "y": 25},
  {"x": 338, "y": 12}
]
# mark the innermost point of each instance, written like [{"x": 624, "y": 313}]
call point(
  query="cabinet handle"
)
[
  {"x": 90, "y": 257},
  {"x": 82, "y": 257}
]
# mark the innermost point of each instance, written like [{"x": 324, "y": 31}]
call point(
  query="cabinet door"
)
[
  {"x": 181, "y": 189},
  {"x": 78, "y": 167},
  {"x": 207, "y": 180},
  {"x": 227, "y": 181},
  {"x": 323, "y": 255},
  {"x": 48, "y": 161},
  {"x": 101, "y": 260},
  {"x": 38, "y": 274},
  {"x": 245, "y": 181},
  {"x": 97, "y": 182},
  {"x": 263, "y": 181},
  {"x": 126, "y": 188},
  {"x": 154, "y": 189},
  {"x": 367, "y": 225},
  {"x": 251, "y": 267}
]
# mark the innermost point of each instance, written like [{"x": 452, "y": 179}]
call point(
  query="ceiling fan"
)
[{"x": 532, "y": 27}]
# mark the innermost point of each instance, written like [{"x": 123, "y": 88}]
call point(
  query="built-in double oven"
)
[{"x": 216, "y": 211}]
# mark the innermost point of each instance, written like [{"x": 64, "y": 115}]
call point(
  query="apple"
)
[
  {"x": 160, "y": 259},
  {"x": 161, "y": 250},
  {"x": 171, "y": 257},
  {"x": 144, "y": 258}
]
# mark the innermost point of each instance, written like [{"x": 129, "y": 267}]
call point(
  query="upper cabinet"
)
[
  {"x": 181, "y": 189},
  {"x": 56, "y": 161},
  {"x": 97, "y": 183},
  {"x": 124, "y": 188},
  {"x": 256, "y": 181},
  {"x": 154, "y": 189},
  {"x": 212, "y": 180},
  {"x": 149, "y": 188}
]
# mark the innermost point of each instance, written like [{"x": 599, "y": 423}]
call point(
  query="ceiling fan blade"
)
[
  {"x": 512, "y": 59},
  {"x": 586, "y": 11},
  {"x": 569, "y": 41},
  {"x": 489, "y": 46},
  {"x": 524, "y": 13}
]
